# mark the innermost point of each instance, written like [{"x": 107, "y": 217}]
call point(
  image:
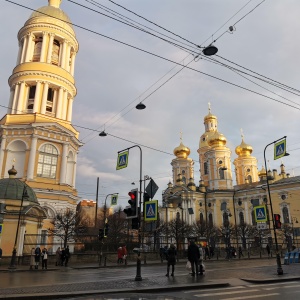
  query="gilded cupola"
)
[
  {"x": 217, "y": 139},
  {"x": 243, "y": 149},
  {"x": 182, "y": 151}
]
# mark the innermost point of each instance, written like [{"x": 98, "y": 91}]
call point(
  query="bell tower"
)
[{"x": 37, "y": 131}]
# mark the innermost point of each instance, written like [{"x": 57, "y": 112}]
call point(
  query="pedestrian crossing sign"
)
[
  {"x": 150, "y": 213},
  {"x": 260, "y": 213},
  {"x": 280, "y": 149},
  {"x": 114, "y": 199},
  {"x": 122, "y": 160}
]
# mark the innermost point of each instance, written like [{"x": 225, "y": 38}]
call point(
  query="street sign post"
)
[
  {"x": 151, "y": 208},
  {"x": 260, "y": 213},
  {"x": 114, "y": 199},
  {"x": 279, "y": 149},
  {"x": 122, "y": 160}
]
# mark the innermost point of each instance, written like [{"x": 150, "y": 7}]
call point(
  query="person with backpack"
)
[
  {"x": 171, "y": 259},
  {"x": 37, "y": 253}
]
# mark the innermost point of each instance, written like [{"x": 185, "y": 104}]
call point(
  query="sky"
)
[{"x": 118, "y": 66}]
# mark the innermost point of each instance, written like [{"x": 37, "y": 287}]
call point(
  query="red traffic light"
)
[
  {"x": 132, "y": 195},
  {"x": 277, "y": 222}
]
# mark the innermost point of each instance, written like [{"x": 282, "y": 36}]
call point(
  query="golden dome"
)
[
  {"x": 243, "y": 149},
  {"x": 52, "y": 10},
  {"x": 262, "y": 172},
  {"x": 210, "y": 116},
  {"x": 182, "y": 151},
  {"x": 217, "y": 139}
]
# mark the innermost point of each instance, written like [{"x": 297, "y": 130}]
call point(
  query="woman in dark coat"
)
[{"x": 171, "y": 259}]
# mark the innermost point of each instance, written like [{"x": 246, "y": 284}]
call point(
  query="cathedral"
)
[
  {"x": 38, "y": 144},
  {"x": 216, "y": 201}
]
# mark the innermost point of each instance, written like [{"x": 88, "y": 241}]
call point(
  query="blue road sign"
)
[
  {"x": 122, "y": 160},
  {"x": 280, "y": 149},
  {"x": 1, "y": 227},
  {"x": 151, "y": 210},
  {"x": 114, "y": 199},
  {"x": 260, "y": 213}
]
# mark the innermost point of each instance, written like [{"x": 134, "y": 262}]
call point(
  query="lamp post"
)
[
  {"x": 279, "y": 267},
  {"x": 294, "y": 219},
  {"x": 14, "y": 253}
]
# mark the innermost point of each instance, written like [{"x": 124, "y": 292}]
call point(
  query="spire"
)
[{"x": 54, "y": 3}]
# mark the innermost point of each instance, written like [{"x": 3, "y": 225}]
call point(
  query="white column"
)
[
  {"x": 68, "y": 55},
  {"x": 64, "y": 105},
  {"x": 50, "y": 48},
  {"x": 2, "y": 149},
  {"x": 25, "y": 42},
  {"x": 63, "y": 54},
  {"x": 19, "y": 53},
  {"x": 15, "y": 100},
  {"x": 74, "y": 170},
  {"x": 20, "y": 100},
  {"x": 32, "y": 155},
  {"x": 73, "y": 56},
  {"x": 215, "y": 216},
  {"x": 44, "y": 45},
  {"x": 37, "y": 97},
  {"x": 11, "y": 101},
  {"x": 30, "y": 46},
  {"x": 21, "y": 239},
  {"x": 59, "y": 103},
  {"x": 246, "y": 212},
  {"x": 63, "y": 166},
  {"x": 44, "y": 98}
]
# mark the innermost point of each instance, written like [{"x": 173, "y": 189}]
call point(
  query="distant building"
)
[{"x": 215, "y": 201}]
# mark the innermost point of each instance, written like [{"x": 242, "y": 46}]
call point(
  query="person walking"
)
[
  {"x": 32, "y": 258},
  {"x": 58, "y": 256},
  {"x": 62, "y": 256},
  {"x": 268, "y": 250},
  {"x": 193, "y": 257},
  {"x": 201, "y": 266},
  {"x": 124, "y": 253},
  {"x": 44, "y": 259},
  {"x": 67, "y": 256},
  {"x": 172, "y": 253},
  {"x": 120, "y": 255},
  {"x": 37, "y": 253},
  {"x": 241, "y": 252},
  {"x": 206, "y": 252}
]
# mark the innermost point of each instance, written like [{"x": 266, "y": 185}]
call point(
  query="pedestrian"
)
[
  {"x": 67, "y": 256},
  {"x": 58, "y": 256},
  {"x": 201, "y": 266},
  {"x": 44, "y": 255},
  {"x": 268, "y": 250},
  {"x": 211, "y": 251},
  {"x": 32, "y": 258},
  {"x": 124, "y": 253},
  {"x": 240, "y": 252},
  {"x": 62, "y": 256},
  {"x": 172, "y": 253},
  {"x": 193, "y": 257},
  {"x": 120, "y": 255},
  {"x": 37, "y": 257},
  {"x": 206, "y": 252}
]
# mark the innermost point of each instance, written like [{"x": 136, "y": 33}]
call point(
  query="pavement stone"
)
[{"x": 214, "y": 277}]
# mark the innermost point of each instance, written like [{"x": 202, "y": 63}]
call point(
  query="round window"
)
[
  {"x": 209, "y": 204},
  {"x": 220, "y": 162},
  {"x": 283, "y": 197},
  {"x": 240, "y": 202},
  {"x": 248, "y": 170}
]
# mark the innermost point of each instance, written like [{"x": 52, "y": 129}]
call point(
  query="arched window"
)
[
  {"x": 201, "y": 218},
  {"x": 55, "y": 52},
  {"x": 37, "y": 49},
  {"x": 178, "y": 216},
  {"x": 285, "y": 213},
  {"x": 205, "y": 168},
  {"x": 47, "y": 161},
  {"x": 249, "y": 177},
  {"x": 225, "y": 219},
  {"x": 210, "y": 220},
  {"x": 242, "y": 220},
  {"x": 221, "y": 173}
]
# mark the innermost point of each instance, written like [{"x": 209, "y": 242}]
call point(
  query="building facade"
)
[{"x": 36, "y": 134}]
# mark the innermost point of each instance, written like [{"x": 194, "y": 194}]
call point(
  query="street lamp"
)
[
  {"x": 279, "y": 267},
  {"x": 14, "y": 253},
  {"x": 294, "y": 219}
]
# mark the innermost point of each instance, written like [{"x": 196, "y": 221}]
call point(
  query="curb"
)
[
  {"x": 271, "y": 280},
  {"x": 112, "y": 291}
]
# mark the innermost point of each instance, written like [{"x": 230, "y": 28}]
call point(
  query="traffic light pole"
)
[
  {"x": 278, "y": 260},
  {"x": 138, "y": 276}
]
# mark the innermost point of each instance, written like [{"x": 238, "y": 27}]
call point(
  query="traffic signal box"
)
[
  {"x": 132, "y": 210},
  {"x": 277, "y": 222}
]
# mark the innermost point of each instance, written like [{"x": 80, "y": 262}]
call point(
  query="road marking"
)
[
  {"x": 274, "y": 288},
  {"x": 251, "y": 297},
  {"x": 269, "y": 284},
  {"x": 223, "y": 293},
  {"x": 218, "y": 289}
]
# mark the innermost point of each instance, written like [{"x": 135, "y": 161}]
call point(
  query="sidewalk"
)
[{"x": 218, "y": 274}]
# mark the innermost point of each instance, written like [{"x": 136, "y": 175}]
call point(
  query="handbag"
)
[{"x": 188, "y": 265}]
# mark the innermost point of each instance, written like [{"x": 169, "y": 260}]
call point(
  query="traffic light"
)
[
  {"x": 101, "y": 234},
  {"x": 277, "y": 222},
  {"x": 106, "y": 228},
  {"x": 131, "y": 211}
]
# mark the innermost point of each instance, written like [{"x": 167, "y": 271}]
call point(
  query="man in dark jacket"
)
[{"x": 193, "y": 257}]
